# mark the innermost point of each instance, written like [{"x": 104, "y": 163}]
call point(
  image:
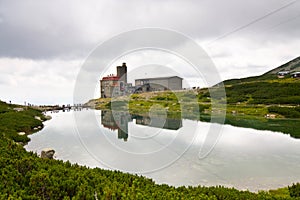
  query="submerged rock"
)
[
  {"x": 47, "y": 153},
  {"x": 48, "y": 117}
]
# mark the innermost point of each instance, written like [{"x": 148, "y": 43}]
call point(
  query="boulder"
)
[
  {"x": 38, "y": 118},
  {"x": 270, "y": 116},
  {"x": 48, "y": 117},
  {"x": 47, "y": 153},
  {"x": 19, "y": 109}
]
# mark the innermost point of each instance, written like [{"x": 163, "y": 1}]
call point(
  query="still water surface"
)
[{"x": 169, "y": 151}]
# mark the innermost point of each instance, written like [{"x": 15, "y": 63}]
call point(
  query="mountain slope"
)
[
  {"x": 267, "y": 88},
  {"x": 292, "y": 66}
]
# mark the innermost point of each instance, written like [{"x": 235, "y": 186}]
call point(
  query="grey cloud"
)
[
  {"x": 45, "y": 42},
  {"x": 41, "y": 29}
]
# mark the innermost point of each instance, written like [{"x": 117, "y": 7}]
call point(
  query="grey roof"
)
[
  {"x": 284, "y": 72},
  {"x": 166, "y": 77}
]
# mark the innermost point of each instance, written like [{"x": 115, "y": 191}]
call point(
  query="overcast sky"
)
[{"x": 43, "y": 44}]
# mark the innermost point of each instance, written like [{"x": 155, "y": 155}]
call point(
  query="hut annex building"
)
[{"x": 117, "y": 85}]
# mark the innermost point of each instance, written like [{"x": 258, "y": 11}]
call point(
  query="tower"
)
[{"x": 122, "y": 72}]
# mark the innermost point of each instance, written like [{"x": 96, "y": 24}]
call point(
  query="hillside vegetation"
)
[
  {"x": 267, "y": 88},
  {"x": 292, "y": 66}
]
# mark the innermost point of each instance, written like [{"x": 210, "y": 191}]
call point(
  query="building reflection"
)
[
  {"x": 172, "y": 124},
  {"x": 119, "y": 121},
  {"x": 116, "y": 121}
]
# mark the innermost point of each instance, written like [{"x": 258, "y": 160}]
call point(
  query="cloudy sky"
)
[{"x": 43, "y": 44}]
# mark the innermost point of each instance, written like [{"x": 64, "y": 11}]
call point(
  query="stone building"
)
[
  {"x": 114, "y": 85},
  {"x": 158, "y": 84}
]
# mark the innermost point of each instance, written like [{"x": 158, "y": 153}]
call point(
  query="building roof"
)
[
  {"x": 166, "y": 77},
  {"x": 110, "y": 127},
  {"x": 284, "y": 72},
  {"x": 295, "y": 73},
  {"x": 111, "y": 78}
]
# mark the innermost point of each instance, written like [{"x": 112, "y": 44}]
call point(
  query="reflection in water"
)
[
  {"x": 118, "y": 120},
  {"x": 243, "y": 158},
  {"x": 172, "y": 124}
]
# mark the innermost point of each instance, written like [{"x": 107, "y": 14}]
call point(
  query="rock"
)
[
  {"x": 47, "y": 153},
  {"x": 38, "y": 118},
  {"x": 48, "y": 117},
  {"x": 19, "y": 109},
  {"x": 21, "y": 133},
  {"x": 271, "y": 116},
  {"x": 206, "y": 111}
]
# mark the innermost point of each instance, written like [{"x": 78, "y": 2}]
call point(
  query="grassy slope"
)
[
  {"x": 266, "y": 94},
  {"x": 25, "y": 175},
  {"x": 267, "y": 88}
]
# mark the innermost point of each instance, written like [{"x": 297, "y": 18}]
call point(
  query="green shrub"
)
[
  {"x": 294, "y": 190},
  {"x": 285, "y": 111}
]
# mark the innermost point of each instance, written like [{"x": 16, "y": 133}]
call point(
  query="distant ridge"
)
[{"x": 292, "y": 66}]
